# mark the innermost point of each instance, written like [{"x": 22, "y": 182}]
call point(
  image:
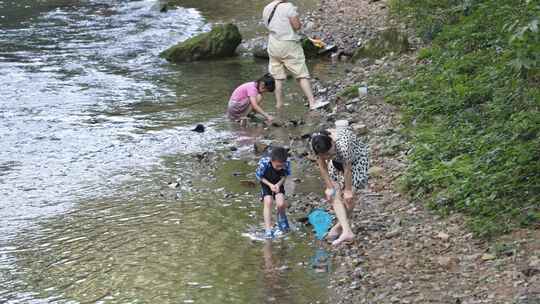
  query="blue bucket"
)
[{"x": 321, "y": 222}]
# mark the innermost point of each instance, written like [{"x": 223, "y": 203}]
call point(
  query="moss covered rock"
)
[
  {"x": 220, "y": 42},
  {"x": 389, "y": 40}
]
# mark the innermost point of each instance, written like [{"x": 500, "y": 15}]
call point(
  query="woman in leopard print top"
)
[{"x": 343, "y": 162}]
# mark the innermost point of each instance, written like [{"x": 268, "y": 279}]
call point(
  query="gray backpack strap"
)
[{"x": 273, "y": 12}]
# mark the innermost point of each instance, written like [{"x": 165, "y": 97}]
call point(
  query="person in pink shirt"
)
[{"x": 248, "y": 97}]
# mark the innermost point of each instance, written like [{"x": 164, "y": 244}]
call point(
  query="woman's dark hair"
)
[
  {"x": 268, "y": 81},
  {"x": 321, "y": 142},
  {"x": 279, "y": 154}
]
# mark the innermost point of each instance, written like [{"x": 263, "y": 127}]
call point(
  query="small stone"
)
[
  {"x": 357, "y": 273},
  {"x": 174, "y": 185},
  {"x": 448, "y": 262},
  {"x": 392, "y": 233},
  {"x": 360, "y": 129},
  {"x": 529, "y": 271},
  {"x": 353, "y": 101},
  {"x": 375, "y": 171},
  {"x": 488, "y": 257},
  {"x": 534, "y": 262},
  {"x": 199, "y": 128},
  {"x": 443, "y": 236},
  {"x": 472, "y": 257},
  {"x": 355, "y": 285}
]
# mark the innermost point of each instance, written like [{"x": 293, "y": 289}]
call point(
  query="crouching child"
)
[{"x": 272, "y": 171}]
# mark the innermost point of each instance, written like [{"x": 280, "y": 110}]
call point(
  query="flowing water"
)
[{"x": 93, "y": 125}]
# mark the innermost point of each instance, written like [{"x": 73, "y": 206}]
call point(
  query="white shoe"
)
[{"x": 319, "y": 104}]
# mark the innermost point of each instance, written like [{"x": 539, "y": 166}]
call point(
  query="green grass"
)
[
  {"x": 349, "y": 92},
  {"x": 472, "y": 110}
]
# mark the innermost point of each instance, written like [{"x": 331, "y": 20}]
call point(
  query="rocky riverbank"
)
[{"x": 404, "y": 253}]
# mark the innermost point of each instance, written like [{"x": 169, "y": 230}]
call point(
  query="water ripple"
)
[{"x": 56, "y": 72}]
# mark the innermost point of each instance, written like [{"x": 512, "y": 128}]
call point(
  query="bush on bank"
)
[{"x": 472, "y": 110}]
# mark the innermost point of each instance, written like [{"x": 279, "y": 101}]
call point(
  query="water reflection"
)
[
  {"x": 274, "y": 284},
  {"x": 320, "y": 261}
]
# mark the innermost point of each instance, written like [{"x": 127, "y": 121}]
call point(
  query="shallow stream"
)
[{"x": 93, "y": 128}]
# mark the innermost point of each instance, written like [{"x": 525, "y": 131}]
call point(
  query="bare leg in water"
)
[
  {"x": 267, "y": 212},
  {"x": 304, "y": 84},
  {"x": 278, "y": 92}
]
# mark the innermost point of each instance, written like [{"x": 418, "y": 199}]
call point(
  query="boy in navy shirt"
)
[{"x": 271, "y": 173}]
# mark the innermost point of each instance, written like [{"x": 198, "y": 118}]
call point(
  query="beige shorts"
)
[{"x": 286, "y": 54}]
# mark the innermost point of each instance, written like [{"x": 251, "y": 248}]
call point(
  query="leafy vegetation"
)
[
  {"x": 349, "y": 92},
  {"x": 472, "y": 110}
]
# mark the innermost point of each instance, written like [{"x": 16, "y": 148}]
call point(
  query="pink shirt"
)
[{"x": 243, "y": 92}]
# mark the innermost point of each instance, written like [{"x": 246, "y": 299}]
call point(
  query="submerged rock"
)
[
  {"x": 220, "y": 42},
  {"x": 199, "y": 128},
  {"x": 248, "y": 183},
  {"x": 260, "y": 147},
  {"x": 161, "y": 6}
]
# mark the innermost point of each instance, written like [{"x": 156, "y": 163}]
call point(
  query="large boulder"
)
[
  {"x": 220, "y": 42},
  {"x": 258, "y": 47},
  {"x": 387, "y": 41}
]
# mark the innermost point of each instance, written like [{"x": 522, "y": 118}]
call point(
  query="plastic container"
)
[{"x": 362, "y": 91}]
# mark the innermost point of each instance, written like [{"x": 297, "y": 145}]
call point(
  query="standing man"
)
[{"x": 285, "y": 50}]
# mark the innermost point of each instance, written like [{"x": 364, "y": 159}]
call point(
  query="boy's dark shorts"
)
[{"x": 265, "y": 190}]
